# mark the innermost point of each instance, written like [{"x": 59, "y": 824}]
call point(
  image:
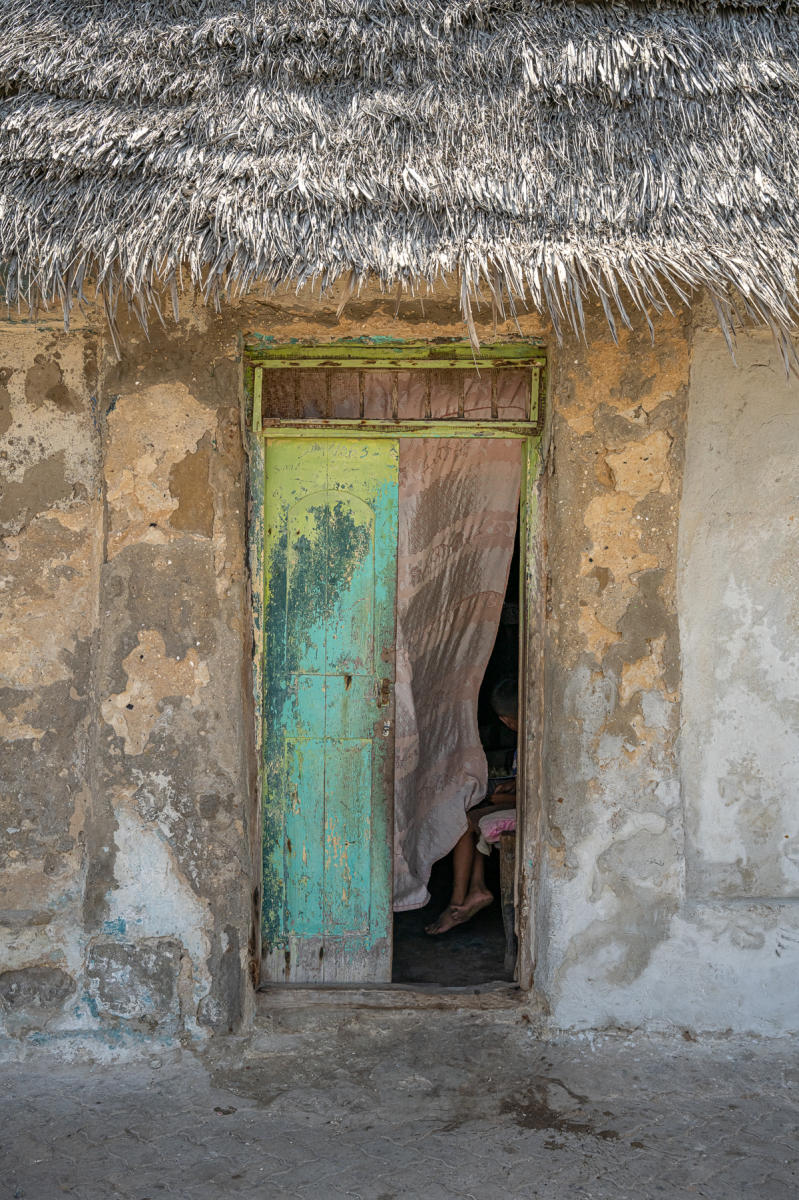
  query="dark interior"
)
[{"x": 473, "y": 953}]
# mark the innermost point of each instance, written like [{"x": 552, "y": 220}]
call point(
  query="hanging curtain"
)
[{"x": 458, "y": 508}]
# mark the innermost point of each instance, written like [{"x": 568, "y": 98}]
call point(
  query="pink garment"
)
[
  {"x": 493, "y": 825},
  {"x": 458, "y": 509}
]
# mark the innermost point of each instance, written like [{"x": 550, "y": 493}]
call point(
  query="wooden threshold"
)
[{"x": 482, "y": 997}]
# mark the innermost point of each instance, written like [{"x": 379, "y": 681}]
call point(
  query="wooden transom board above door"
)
[{"x": 330, "y": 539}]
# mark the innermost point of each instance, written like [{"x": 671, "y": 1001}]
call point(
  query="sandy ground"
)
[{"x": 383, "y": 1105}]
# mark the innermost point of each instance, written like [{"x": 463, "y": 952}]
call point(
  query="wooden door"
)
[{"x": 330, "y": 526}]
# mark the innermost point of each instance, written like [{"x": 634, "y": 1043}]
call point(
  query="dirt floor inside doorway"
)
[{"x": 470, "y": 954}]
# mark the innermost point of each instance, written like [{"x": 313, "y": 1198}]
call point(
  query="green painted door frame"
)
[{"x": 290, "y": 951}]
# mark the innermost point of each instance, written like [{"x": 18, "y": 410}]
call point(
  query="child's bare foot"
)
[
  {"x": 458, "y": 914},
  {"x": 473, "y": 904},
  {"x": 445, "y": 921}
]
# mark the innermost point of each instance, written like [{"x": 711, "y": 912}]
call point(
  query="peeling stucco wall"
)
[
  {"x": 611, "y": 858},
  {"x": 648, "y": 847},
  {"x": 125, "y": 769},
  {"x": 739, "y": 613},
  {"x": 129, "y": 841},
  {"x": 51, "y": 519}
]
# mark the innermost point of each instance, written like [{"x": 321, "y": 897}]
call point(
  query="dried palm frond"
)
[{"x": 535, "y": 153}]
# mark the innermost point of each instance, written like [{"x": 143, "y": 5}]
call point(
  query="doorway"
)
[
  {"x": 328, "y": 446},
  {"x": 477, "y": 951}
]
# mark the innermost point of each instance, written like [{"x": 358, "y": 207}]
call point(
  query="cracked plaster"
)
[
  {"x": 152, "y": 676},
  {"x": 150, "y": 830}
]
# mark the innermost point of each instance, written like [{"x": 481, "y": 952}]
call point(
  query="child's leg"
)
[
  {"x": 462, "y": 866},
  {"x": 477, "y": 879}
]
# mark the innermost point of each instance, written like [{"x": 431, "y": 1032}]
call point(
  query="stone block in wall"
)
[
  {"x": 35, "y": 987},
  {"x": 135, "y": 979}
]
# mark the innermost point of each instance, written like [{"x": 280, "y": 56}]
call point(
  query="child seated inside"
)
[{"x": 469, "y": 891}]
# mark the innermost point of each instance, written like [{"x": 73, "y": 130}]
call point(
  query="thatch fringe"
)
[{"x": 538, "y": 154}]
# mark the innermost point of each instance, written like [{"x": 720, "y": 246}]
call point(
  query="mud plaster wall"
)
[
  {"x": 125, "y": 770},
  {"x": 624, "y": 938},
  {"x": 611, "y": 864},
  {"x": 739, "y": 612},
  {"x": 130, "y": 888},
  {"x": 128, "y": 782},
  {"x": 51, "y": 522}
]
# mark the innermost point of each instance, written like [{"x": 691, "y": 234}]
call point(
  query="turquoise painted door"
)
[{"x": 330, "y": 528}]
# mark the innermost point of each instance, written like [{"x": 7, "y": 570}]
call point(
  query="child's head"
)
[{"x": 505, "y": 702}]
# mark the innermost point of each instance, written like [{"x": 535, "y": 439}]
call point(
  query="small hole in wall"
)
[{"x": 128, "y": 706}]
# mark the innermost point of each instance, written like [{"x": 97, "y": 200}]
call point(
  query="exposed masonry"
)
[{"x": 128, "y": 781}]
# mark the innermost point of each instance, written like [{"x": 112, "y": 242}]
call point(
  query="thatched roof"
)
[{"x": 536, "y": 151}]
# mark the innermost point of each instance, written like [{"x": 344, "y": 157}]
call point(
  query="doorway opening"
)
[
  {"x": 481, "y": 949},
  {"x": 392, "y": 523}
]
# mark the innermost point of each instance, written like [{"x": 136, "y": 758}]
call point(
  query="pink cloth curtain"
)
[{"x": 458, "y": 508}]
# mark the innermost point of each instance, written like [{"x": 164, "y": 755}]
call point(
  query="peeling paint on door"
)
[{"x": 330, "y": 576}]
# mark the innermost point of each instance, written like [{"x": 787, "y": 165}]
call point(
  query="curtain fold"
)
[{"x": 458, "y": 510}]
